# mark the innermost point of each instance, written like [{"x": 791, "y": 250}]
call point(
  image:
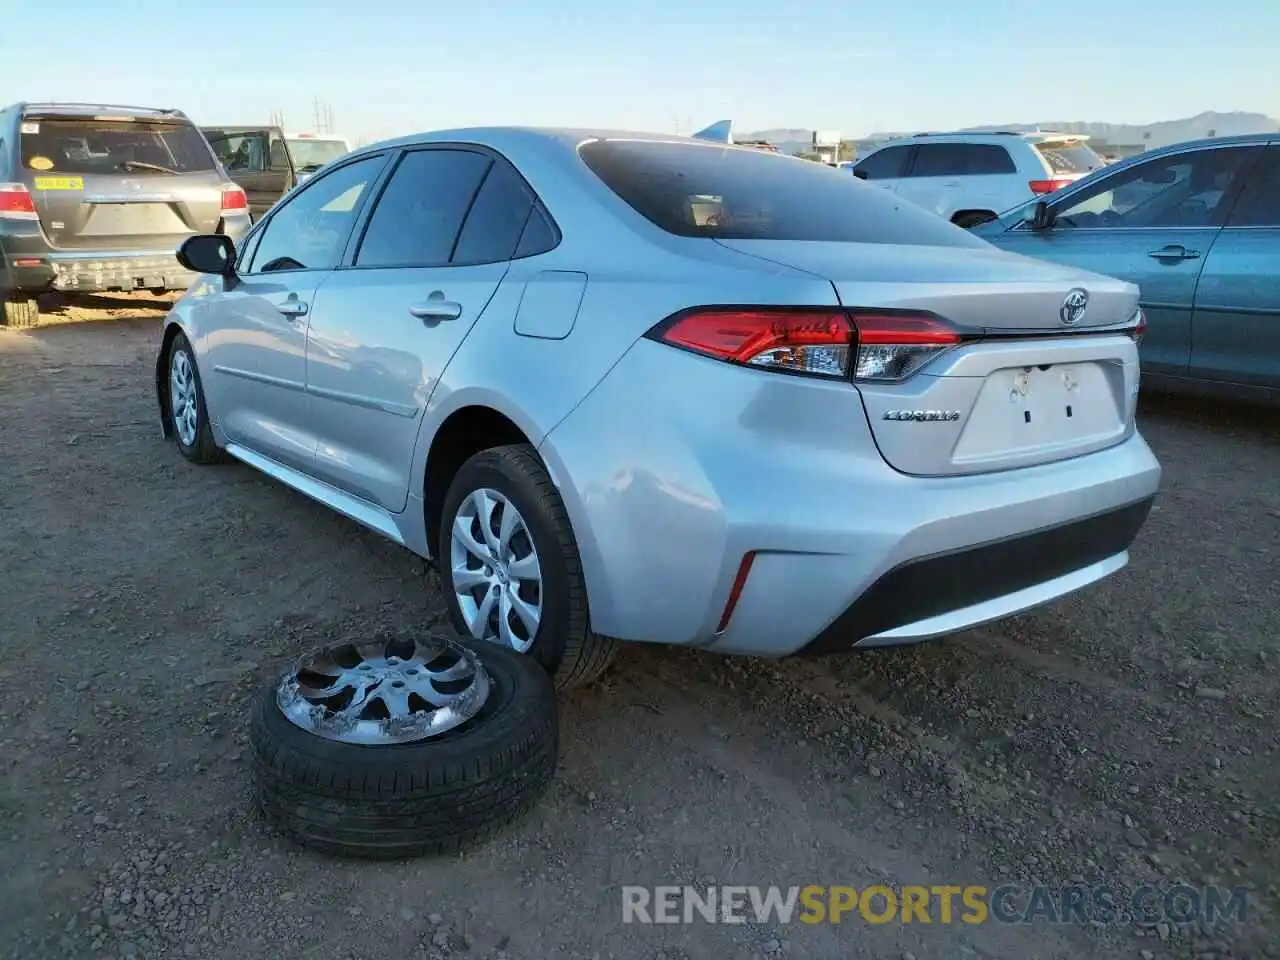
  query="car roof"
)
[
  {"x": 55, "y": 108},
  {"x": 500, "y": 138}
]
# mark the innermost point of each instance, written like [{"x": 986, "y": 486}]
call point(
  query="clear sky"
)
[{"x": 396, "y": 66}]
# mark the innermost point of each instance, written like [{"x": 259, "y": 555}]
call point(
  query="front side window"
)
[
  {"x": 120, "y": 147},
  {"x": 886, "y": 164},
  {"x": 1259, "y": 204},
  {"x": 419, "y": 215},
  {"x": 694, "y": 189},
  {"x": 1191, "y": 189},
  {"x": 310, "y": 231}
]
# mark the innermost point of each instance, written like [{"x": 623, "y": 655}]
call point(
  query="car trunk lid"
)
[
  {"x": 1045, "y": 367},
  {"x": 120, "y": 183}
]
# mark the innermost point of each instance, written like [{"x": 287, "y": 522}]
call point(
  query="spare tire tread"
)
[{"x": 434, "y": 796}]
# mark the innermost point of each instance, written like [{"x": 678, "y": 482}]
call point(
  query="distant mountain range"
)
[{"x": 792, "y": 140}]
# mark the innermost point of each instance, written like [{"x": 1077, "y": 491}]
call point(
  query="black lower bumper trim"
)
[{"x": 930, "y": 586}]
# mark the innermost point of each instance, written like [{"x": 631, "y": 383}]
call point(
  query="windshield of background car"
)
[
  {"x": 312, "y": 154},
  {"x": 1071, "y": 156},
  {"x": 726, "y": 193},
  {"x": 133, "y": 147}
]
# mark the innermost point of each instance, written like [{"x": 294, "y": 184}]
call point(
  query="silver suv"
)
[{"x": 96, "y": 197}]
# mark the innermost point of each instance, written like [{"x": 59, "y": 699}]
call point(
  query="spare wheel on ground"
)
[{"x": 404, "y": 747}]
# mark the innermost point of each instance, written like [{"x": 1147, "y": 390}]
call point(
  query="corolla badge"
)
[
  {"x": 923, "y": 416},
  {"x": 1074, "y": 306}
]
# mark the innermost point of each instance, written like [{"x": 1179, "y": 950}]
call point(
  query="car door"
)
[
  {"x": 884, "y": 167},
  {"x": 436, "y": 245},
  {"x": 256, "y": 330},
  {"x": 1235, "y": 331},
  {"x": 1150, "y": 223},
  {"x": 935, "y": 177}
]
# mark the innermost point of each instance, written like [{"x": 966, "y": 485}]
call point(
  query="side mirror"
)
[
  {"x": 1038, "y": 216},
  {"x": 209, "y": 253},
  {"x": 860, "y": 174}
]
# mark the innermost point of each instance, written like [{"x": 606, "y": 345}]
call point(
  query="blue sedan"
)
[{"x": 1197, "y": 227}]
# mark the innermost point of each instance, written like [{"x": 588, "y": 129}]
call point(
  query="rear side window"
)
[
  {"x": 692, "y": 189},
  {"x": 496, "y": 219},
  {"x": 539, "y": 234},
  {"x": 1069, "y": 156},
  {"x": 122, "y": 147},
  {"x": 886, "y": 164},
  {"x": 961, "y": 160},
  {"x": 420, "y": 213}
]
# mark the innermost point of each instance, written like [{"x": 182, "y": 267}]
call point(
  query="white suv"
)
[{"x": 969, "y": 178}]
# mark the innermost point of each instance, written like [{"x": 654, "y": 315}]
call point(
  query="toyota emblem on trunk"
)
[{"x": 1074, "y": 306}]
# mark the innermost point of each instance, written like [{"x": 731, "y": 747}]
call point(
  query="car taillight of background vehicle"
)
[
  {"x": 1139, "y": 327},
  {"x": 234, "y": 200},
  {"x": 832, "y": 344},
  {"x": 1048, "y": 186},
  {"x": 16, "y": 203}
]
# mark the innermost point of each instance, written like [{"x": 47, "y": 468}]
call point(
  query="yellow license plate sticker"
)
[{"x": 59, "y": 183}]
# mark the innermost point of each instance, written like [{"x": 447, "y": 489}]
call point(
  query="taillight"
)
[
  {"x": 16, "y": 203},
  {"x": 815, "y": 342},
  {"x": 1047, "y": 186},
  {"x": 234, "y": 200},
  {"x": 870, "y": 346},
  {"x": 893, "y": 346},
  {"x": 1139, "y": 327}
]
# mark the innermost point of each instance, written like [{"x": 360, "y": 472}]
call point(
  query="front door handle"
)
[
  {"x": 433, "y": 311},
  {"x": 1174, "y": 251},
  {"x": 293, "y": 308}
]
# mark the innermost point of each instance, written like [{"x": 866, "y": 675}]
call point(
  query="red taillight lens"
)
[
  {"x": 893, "y": 346},
  {"x": 234, "y": 200},
  {"x": 1047, "y": 186},
  {"x": 815, "y": 342},
  {"x": 879, "y": 346},
  {"x": 16, "y": 202}
]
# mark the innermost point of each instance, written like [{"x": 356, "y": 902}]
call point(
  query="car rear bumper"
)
[
  {"x": 33, "y": 266},
  {"x": 676, "y": 468}
]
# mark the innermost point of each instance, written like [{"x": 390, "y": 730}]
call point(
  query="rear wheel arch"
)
[{"x": 464, "y": 433}]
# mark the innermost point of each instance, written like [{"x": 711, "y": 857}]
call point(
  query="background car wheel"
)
[
  {"x": 346, "y": 762},
  {"x": 187, "y": 412},
  {"x": 21, "y": 311},
  {"x": 510, "y": 567}
]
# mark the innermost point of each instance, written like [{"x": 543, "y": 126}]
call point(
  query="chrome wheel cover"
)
[
  {"x": 384, "y": 692},
  {"x": 184, "y": 396},
  {"x": 494, "y": 570}
]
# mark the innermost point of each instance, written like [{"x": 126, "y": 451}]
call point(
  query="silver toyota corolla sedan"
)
[{"x": 628, "y": 386}]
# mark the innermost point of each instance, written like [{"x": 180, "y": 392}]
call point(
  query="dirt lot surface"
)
[{"x": 1126, "y": 735}]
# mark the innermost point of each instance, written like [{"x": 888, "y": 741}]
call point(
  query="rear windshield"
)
[
  {"x": 1072, "y": 156},
  {"x": 728, "y": 193},
  {"x": 311, "y": 154},
  {"x": 134, "y": 147}
]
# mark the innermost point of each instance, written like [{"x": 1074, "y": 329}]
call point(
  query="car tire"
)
[
  {"x": 563, "y": 642},
  {"x": 21, "y": 312},
  {"x": 439, "y": 795},
  {"x": 188, "y": 415}
]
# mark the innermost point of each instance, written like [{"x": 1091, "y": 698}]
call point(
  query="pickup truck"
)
[{"x": 258, "y": 159}]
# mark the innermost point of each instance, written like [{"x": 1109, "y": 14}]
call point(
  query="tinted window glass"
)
[
  {"x": 125, "y": 147},
  {"x": 496, "y": 219},
  {"x": 311, "y": 229},
  {"x": 884, "y": 164},
  {"x": 1259, "y": 205},
  {"x": 539, "y": 234},
  {"x": 1070, "y": 156},
  {"x": 1182, "y": 190},
  {"x": 961, "y": 160},
  {"x": 703, "y": 190},
  {"x": 418, "y": 216}
]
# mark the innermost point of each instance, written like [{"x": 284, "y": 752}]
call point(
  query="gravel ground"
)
[{"x": 1123, "y": 736}]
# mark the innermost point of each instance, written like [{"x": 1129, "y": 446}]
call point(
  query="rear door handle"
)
[
  {"x": 293, "y": 308},
  {"x": 1174, "y": 251},
  {"x": 433, "y": 311}
]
